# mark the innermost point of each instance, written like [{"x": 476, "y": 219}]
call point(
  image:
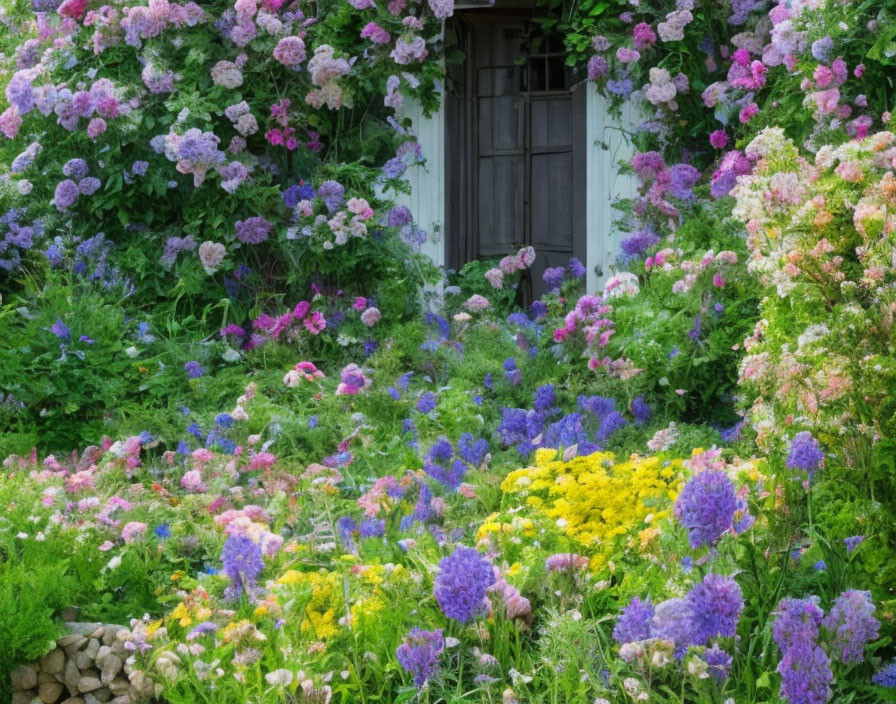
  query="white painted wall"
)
[
  {"x": 608, "y": 144},
  {"x": 608, "y": 141},
  {"x": 427, "y": 198}
]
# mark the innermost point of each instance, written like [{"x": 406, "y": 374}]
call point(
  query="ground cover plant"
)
[{"x": 244, "y": 417}]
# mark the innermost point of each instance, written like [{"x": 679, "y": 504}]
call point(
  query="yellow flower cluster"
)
[
  {"x": 599, "y": 502},
  {"x": 324, "y": 608}
]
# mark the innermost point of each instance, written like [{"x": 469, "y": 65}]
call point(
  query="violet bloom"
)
[
  {"x": 545, "y": 398},
  {"x": 706, "y": 507},
  {"x": 427, "y": 402},
  {"x": 715, "y": 605},
  {"x": 253, "y": 230},
  {"x": 853, "y": 542},
  {"x": 886, "y": 677},
  {"x": 61, "y": 330},
  {"x": 193, "y": 369},
  {"x": 634, "y": 623},
  {"x": 332, "y": 194},
  {"x": 718, "y": 662},
  {"x": 419, "y": 654},
  {"x": 553, "y": 277},
  {"x": 641, "y": 411},
  {"x": 852, "y": 623},
  {"x": 460, "y": 587},
  {"x": 805, "y": 454},
  {"x": 242, "y": 563}
]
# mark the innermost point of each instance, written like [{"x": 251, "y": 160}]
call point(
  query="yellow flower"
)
[
  {"x": 177, "y": 575},
  {"x": 290, "y": 577},
  {"x": 181, "y": 613},
  {"x": 596, "y": 500}
]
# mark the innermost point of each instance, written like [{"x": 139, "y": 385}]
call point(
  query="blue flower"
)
[
  {"x": 61, "y": 330},
  {"x": 419, "y": 654},
  {"x": 193, "y": 369},
  {"x": 242, "y": 563},
  {"x": 461, "y": 585},
  {"x": 634, "y": 622},
  {"x": 163, "y": 531},
  {"x": 805, "y": 453},
  {"x": 706, "y": 507},
  {"x": 224, "y": 420}
]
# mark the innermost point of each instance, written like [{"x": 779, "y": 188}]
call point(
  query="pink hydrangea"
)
[
  {"x": 371, "y": 317},
  {"x": 375, "y": 33},
  {"x": 132, "y": 531},
  {"x": 476, "y": 303},
  {"x": 290, "y": 51},
  {"x": 192, "y": 482}
]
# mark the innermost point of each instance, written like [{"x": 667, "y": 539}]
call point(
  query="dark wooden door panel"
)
[
  {"x": 551, "y": 202},
  {"x": 501, "y": 217}
]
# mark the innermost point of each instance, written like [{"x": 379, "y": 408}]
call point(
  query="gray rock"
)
[
  {"x": 101, "y": 654},
  {"x": 70, "y": 639},
  {"x": 83, "y": 660},
  {"x": 101, "y": 695},
  {"x": 23, "y": 677},
  {"x": 111, "y": 667},
  {"x": 98, "y": 633},
  {"x": 89, "y": 684},
  {"x": 49, "y": 692},
  {"x": 72, "y": 676},
  {"x": 76, "y": 644},
  {"x": 73, "y": 700},
  {"x": 81, "y": 628},
  {"x": 44, "y": 677},
  {"x": 93, "y": 647},
  {"x": 53, "y": 661},
  {"x": 23, "y": 697},
  {"x": 119, "y": 686},
  {"x": 124, "y": 699}
]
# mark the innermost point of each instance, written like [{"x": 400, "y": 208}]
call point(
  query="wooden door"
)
[{"x": 520, "y": 129}]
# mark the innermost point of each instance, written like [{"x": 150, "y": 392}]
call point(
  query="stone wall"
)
[{"x": 87, "y": 666}]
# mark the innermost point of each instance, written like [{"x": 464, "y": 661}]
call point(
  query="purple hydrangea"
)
[
  {"x": 641, "y": 411},
  {"x": 718, "y": 662},
  {"x": 886, "y": 677},
  {"x": 75, "y": 168},
  {"x": 611, "y": 422},
  {"x": 66, "y": 194},
  {"x": 715, "y": 605},
  {"x": 253, "y": 230},
  {"x": 576, "y": 268},
  {"x": 427, "y": 402},
  {"x": 193, "y": 369},
  {"x": 706, "y": 507},
  {"x": 399, "y": 216},
  {"x": 419, "y": 654},
  {"x": 852, "y": 624},
  {"x": 553, "y": 277},
  {"x": 805, "y": 453},
  {"x": 472, "y": 452},
  {"x": 637, "y": 243},
  {"x": 673, "y": 621},
  {"x": 242, "y": 563},
  {"x": 634, "y": 623},
  {"x": 460, "y": 587},
  {"x": 545, "y": 398},
  {"x": 332, "y": 194}
]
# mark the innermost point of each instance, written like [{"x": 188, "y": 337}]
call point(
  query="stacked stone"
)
[{"x": 87, "y": 666}]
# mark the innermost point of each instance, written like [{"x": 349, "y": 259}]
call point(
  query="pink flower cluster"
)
[{"x": 286, "y": 325}]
